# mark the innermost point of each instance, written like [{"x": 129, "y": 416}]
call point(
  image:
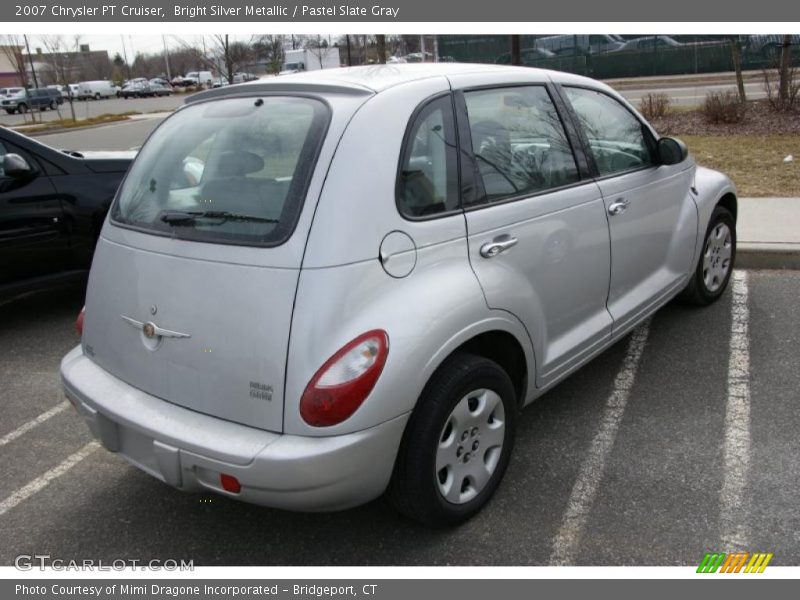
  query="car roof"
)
[{"x": 374, "y": 79}]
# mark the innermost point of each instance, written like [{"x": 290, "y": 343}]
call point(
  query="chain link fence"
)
[{"x": 610, "y": 56}]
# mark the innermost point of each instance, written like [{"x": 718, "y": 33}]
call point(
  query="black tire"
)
[
  {"x": 53, "y": 105},
  {"x": 22, "y": 107},
  {"x": 414, "y": 489},
  {"x": 697, "y": 292}
]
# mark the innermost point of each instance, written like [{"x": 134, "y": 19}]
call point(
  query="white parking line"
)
[
  {"x": 736, "y": 455},
  {"x": 37, "y": 484},
  {"x": 566, "y": 542},
  {"x": 10, "y": 437}
]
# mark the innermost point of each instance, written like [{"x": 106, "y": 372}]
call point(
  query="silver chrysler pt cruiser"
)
[{"x": 319, "y": 288}]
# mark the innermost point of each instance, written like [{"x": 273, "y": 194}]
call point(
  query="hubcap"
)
[
  {"x": 717, "y": 257},
  {"x": 470, "y": 445}
]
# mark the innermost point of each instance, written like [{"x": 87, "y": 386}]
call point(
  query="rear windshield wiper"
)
[{"x": 185, "y": 217}]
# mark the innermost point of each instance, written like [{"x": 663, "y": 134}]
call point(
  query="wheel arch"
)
[{"x": 730, "y": 202}]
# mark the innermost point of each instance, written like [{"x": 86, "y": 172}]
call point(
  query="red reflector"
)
[
  {"x": 230, "y": 483},
  {"x": 79, "y": 321}
]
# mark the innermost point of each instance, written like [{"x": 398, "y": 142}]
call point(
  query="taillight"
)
[
  {"x": 79, "y": 321},
  {"x": 345, "y": 380}
]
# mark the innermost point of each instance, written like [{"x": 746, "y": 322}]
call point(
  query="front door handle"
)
[
  {"x": 619, "y": 206},
  {"x": 497, "y": 246}
]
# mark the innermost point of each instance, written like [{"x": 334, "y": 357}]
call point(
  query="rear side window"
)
[
  {"x": 519, "y": 143},
  {"x": 230, "y": 171},
  {"x": 428, "y": 179},
  {"x": 618, "y": 140}
]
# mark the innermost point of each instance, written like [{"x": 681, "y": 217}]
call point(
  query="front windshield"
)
[{"x": 231, "y": 171}]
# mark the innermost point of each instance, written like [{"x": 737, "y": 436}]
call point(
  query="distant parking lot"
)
[
  {"x": 85, "y": 109},
  {"x": 681, "y": 94}
]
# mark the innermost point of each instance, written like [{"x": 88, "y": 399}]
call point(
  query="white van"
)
[
  {"x": 96, "y": 89},
  {"x": 203, "y": 78}
]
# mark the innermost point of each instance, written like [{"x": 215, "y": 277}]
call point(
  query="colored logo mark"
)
[{"x": 734, "y": 563}]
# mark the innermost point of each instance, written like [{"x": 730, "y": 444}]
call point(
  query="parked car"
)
[
  {"x": 651, "y": 42},
  {"x": 156, "y": 89},
  {"x": 95, "y": 90},
  {"x": 10, "y": 91},
  {"x": 266, "y": 323},
  {"x": 569, "y": 45},
  {"x": 204, "y": 78},
  {"x": 527, "y": 55},
  {"x": 769, "y": 46},
  {"x": 52, "y": 204},
  {"x": 160, "y": 81},
  {"x": 135, "y": 89},
  {"x": 33, "y": 98},
  {"x": 63, "y": 90}
]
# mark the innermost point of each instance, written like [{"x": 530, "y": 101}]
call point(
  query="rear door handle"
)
[
  {"x": 498, "y": 245},
  {"x": 619, "y": 206}
]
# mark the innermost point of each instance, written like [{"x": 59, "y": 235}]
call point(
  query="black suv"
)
[
  {"x": 41, "y": 98},
  {"x": 52, "y": 206}
]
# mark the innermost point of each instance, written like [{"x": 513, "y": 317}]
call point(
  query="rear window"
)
[{"x": 232, "y": 171}]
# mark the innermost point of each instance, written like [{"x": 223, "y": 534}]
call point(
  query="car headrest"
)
[{"x": 238, "y": 163}]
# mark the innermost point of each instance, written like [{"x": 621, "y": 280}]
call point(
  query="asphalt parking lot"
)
[
  {"x": 680, "y": 439},
  {"x": 85, "y": 109}
]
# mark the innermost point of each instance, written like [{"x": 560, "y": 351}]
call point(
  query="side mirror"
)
[
  {"x": 671, "y": 151},
  {"x": 15, "y": 166}
]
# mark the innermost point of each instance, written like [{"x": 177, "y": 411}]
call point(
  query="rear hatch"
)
[{"x": 192, "y": 286}]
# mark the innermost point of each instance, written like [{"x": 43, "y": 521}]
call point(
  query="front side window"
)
[
  {"x": 231, "y": 171},
  {"x": 617, "y": 139},
  {"x": 428, "y": 179},
  {"x": 519, "y": 142}
]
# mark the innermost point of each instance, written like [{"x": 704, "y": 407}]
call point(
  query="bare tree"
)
[
  {"x": 63, "y": 63},
  {"x": 516, "y": 56},
  {"x": 269, "y": 48},
  {"x": 785, "y": 69},
  {"x": 230, "y": 56},
  {"x": 222, "y": 54},
  {"x": 318, "y": 47},
  {"x": 380, "y": 46},
  {"x": 12, "y": 48},
  {"x": 736, "y": 57}
]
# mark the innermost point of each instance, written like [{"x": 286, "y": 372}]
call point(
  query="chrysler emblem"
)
[{"x": 150, "y": 330}]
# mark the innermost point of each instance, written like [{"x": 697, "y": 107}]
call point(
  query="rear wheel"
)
[
  {"x": 457, "y": 444},
  {"x": 53, "y": 105},
  {"x": 716, "y": 261},
  {"x": 97, "y": 96}
]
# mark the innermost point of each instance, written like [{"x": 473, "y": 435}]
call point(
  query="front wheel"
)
[
  {"x": 716, "y": 261},
  {"x": 457, "y": 443}
]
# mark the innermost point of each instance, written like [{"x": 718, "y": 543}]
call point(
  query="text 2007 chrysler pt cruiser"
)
[{"x": 314, "y": 289}]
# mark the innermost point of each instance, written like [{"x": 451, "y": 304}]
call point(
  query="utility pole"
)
[
  {"x": 349, "y": 57},
  {"x": 166, "y": 58},
  {"x": 422, "y": 46},
  {"x": 30, "y": 60},
  {"x": 125, "y": 55}
]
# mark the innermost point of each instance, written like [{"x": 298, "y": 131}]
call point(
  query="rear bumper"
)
[{"x": 190, "y": 450}]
